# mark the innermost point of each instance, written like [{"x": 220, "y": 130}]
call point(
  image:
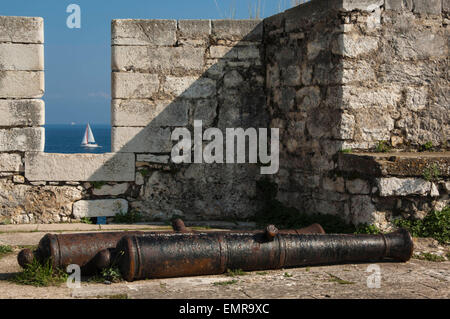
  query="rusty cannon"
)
[
  {"x": 176, "y": 255},
  {"x": 84, "y": 249},
  {"x": 95, "y": 251}
]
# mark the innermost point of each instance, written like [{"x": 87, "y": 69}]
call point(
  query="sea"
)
[{"x": 66, "y": 138}]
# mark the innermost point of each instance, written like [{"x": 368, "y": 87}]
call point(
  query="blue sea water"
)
[{"x": 66, "y": 138}]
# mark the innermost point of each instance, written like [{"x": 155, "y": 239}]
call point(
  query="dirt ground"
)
[{"x": 414, "y": 279}]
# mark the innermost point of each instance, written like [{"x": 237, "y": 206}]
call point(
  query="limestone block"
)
[
  {"x": 146, "y": 112},
  {"x": 355, "y": 98},
  {"x": 363, "y": 5},
  {"x": 428, "y": 6},
  {"x": 205, "y": 110},
  {"x": 21, "y": 57},
  {"x": 165, "y": 59},
  {"x": 334, "y": 185},
  {"x": 223, "y": 52},
  {"x": 416, "y": 98},
  {"x": 22, "y": 112},
  {"x": 392, "y": 186},
  {"x": 22, "y": 139},
  {"x": 10, "y": 163},
  {"x": 398, "y": 4},
  {"x": 99, "y": 208},
  {"x": 143, "y": 32},
  {"x": 421, "y": 45},
  {"x": 21, "y": 29},
  {"x": 194, "y": 29},
  {"x": 357, "y": 186},
  {"x": 111, "y": 190},
  {"x": 161, "y": 159},
  {"x": 248, "y": 52},
  {"x": 445, "y": 5},
  {"x": 108, "y": 167},
  {"x": 346, "y": 128},
  {"x": 21, "y": 84},
  {"x": 249, "y": 30},
  {"x": 353, "y": 45},
  {"x": 190, "y": 87},
  {"x": 141, "y": 139},
  {"x": 134, "y": 85}
]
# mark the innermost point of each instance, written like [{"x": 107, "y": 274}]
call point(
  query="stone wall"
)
[
  {"x": 337, "y": 77},
  {"x": 359, "y": 76},
  {"x": 168, "y": 73}
]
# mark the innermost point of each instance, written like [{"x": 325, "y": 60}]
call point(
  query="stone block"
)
[
  {"x": 22, "y": 112},
  {"x": 194, "y": 29},
  {"x": 99, "y": 208},
  {"x": 144, "y": 32},
  {"x": 107, "y": 167},
  {"x": 21, "y": 29},
  {"x": 147, "y": 112},
  {"x": 362, "y": 5},
  {"x": 22, "y": 139},
  {"x": 357, "y": 186},
  {"x": 190, "y": 87},
  {"x": 248, "y": 52},
  {"x": 223, "y": 52},
  {"x": 151, "y": 158},
  {"x": 111, "y": 190},
  {"x": 21, "y": 57},
  {"x": 248, "y": 30},
  {"x": 10, "y": 163},
  {"x": 398, "y": 4},
  {"x": 162, "y": 59},
  {"x": 353, "y": 45},
  {"x": 141, "y": 139},
  {"x": 134, "y": 85},
  {"x": 428, "y": 6},
  {"x": 205, "y": 110},
  {"x": 421, "y": 45},
  {"x": 445, "y": 5},
  {"x": 21, "y": 84},
  {"x": 392, "y": 186}
]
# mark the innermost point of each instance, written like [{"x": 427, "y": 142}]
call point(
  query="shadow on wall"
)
[{"x": 165, "y": 75}]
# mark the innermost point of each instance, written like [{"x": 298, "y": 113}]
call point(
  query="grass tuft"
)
[
  {"x": 131, "y": 217},
  {"x": 435, "y": 225},
  {"x": 429, "y": 257},
  {"x": 225, "y": 283},
  {"x": 338, "y": 280},
  {"x": 5, "y": 249},
  {"x": 235, "y": 272},
  {"x": 40, "y": 275}
]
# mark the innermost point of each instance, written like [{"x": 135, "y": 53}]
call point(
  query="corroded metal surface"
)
[
  {"x": 174, "y": 255},
  {"x": 94, "y": 251}
]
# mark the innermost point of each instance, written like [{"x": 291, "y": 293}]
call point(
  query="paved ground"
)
[{"x": 414, "y": 279}]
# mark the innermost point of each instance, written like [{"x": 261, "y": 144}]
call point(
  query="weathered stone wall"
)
[
  {"x": 168, "y": 73},
  {"x": 334, "y": 76},
  {"x": 350, "y": 76}
]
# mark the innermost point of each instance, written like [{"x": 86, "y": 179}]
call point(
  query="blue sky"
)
[{"x": 77, "y": 61}]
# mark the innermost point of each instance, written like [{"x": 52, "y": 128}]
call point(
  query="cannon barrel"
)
[
  {"x": 94, "y": 251},
  {"x": 84, "y": 249},
  {"x": 175, "y": 255}
]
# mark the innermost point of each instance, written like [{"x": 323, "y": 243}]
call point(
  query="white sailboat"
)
[{"x": 88, "y": 138}]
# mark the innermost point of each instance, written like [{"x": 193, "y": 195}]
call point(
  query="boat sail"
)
[{"x": 88, "y": 138}]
